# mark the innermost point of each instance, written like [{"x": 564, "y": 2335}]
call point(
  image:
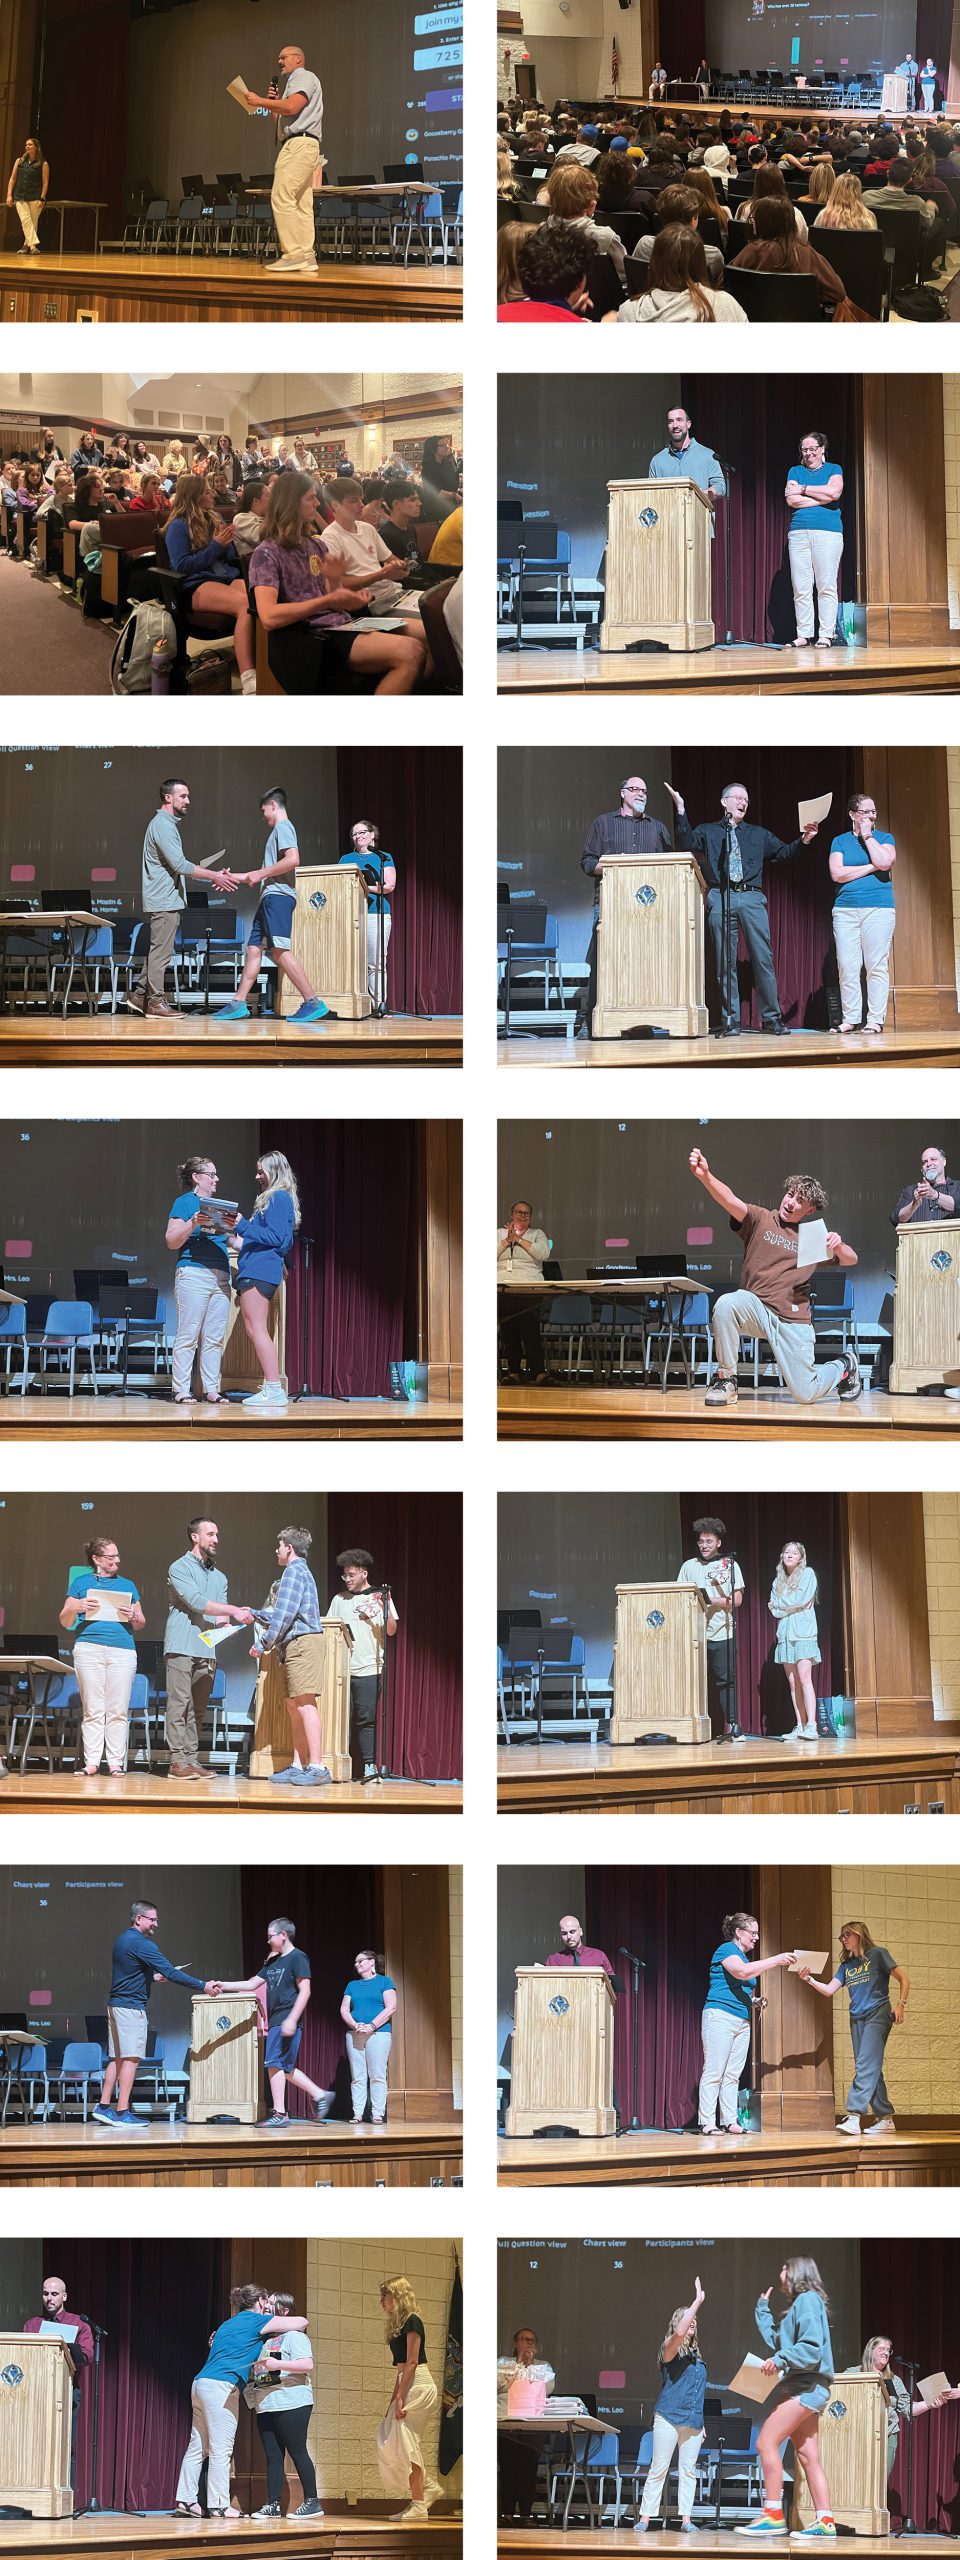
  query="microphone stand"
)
[
  {"x": 637, "y": 1967},
  {"x": 729, "y": 1556},
  {"x": 908, "y": 2528},
  {"x": 93, "y": 2506},
  {"x": 305, "y": 1388},
  {"x": 729, "y": 470},
  {"x": 504, "y": 1032}
]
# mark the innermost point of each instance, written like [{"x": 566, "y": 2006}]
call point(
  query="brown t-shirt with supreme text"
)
[{"x": 770, "y": 1264}]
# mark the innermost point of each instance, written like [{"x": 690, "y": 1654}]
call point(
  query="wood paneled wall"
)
[
  {"x": 909, "y": 785},
  {"x": 416, "y": 1946},
  {"x": 441, "y": 1257},
  {"x": 888, "y": 1638},
  {"x": 18, "y": 45},
  {"x": 904, "y": 512},
  {"x": 794, "y": 1908}
]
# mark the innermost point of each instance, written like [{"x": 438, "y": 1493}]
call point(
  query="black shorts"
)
[{"x": 265, "y": 1291}]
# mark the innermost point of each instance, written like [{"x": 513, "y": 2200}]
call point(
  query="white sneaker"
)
[
  {"x": 415, "y": 2513},
  {"x": 430, "y": 2495},
  {"x": 884, "y": 2124},
  {"x": 268, "y": 1399},
  {"x": 848, "y": 2124}
]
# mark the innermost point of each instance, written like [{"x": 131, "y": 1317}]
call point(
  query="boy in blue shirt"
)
[
  {"x": 273, "y": 923},
  {"x": 864, "y": 915}
]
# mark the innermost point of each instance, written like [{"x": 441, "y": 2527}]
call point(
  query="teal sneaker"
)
[
  {"x": 313, "y": 1012},
  {"x": 233, "y": 1013}
]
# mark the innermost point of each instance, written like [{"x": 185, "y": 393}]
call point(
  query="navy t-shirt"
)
[
  {"x": 283, "y": 1976},
  {"x": 866, "y": 1979}
]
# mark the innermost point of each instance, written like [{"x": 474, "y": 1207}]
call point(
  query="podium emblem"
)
[
  {"x": 12, "y": 2373},
  {"x": 941, "y": 1261},
  {"x": 656, "y": 1620},
  {"x": 223, "y": 2024},
  {"x": 646, "y": 897},
  {"x": 559, "y": 2006},
  {"x": 838, "y": 2408},
  {"x": 648, "y": 517},
  {"x": 319, "y": 898}
]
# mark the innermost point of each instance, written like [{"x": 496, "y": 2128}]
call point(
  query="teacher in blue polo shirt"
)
[
  {"x": 682, "y": 458},
  {"x": 864, "y": 916},
  {"x": 815, "y": 541}
]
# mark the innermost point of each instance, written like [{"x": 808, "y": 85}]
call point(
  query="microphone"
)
[{"x": 632, "y": 1959}]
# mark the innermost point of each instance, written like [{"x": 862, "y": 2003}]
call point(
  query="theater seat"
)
[{"x": 447, "y": 667}]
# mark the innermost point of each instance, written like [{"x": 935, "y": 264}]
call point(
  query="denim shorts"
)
[
  {"x": 280, "y": 2052},
  {"x": 272, "y": 921}
]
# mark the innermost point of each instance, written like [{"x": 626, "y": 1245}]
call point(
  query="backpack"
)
[
  {"x": 920, "y": 302},
  {"x": 147, "y": 625}
]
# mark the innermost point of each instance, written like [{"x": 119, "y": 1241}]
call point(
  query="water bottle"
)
[{"x": 161, "y": 667}]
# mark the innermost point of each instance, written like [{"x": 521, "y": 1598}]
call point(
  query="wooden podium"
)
[
  {"x": 328, "y": 936},
  {"x": 659, "y": 1663},
  {"x": 225, "y": 2057},
  {"x": 896, "y": 93},
  {"x": 658, "y": 565},
  {"x": 650, "y": 946},
  {"x": 36, "y": 2415},
  {"x": 926, "y": 1307},
  {"x": 271, "y": 1747},
  {"x": 853, "y": 2450},
  {"x": 562, "y": 2050},
  {"x": 239, "y": 1366}
]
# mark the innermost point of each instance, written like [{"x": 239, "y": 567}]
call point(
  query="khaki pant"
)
[
  {"x": 815, "y": 562},
  {"x": 202, "y": 1299},
  {"x": 104, "y": 1675},
  {"x": 164, "y": 928},
  {"x": 216, "y": 2408},
  {"x": 189, "y": 1682},
  {"x": 863, "y": 936},
  {"x": 303, "y": 1664},
  {"x": 666, "y": 2438},
  {"x": 292, "y": 196},
  {"x": 374, "y": 987},
  {"x": 28, "y": 222},
  {"x": 726, "y": 2044},
  {"x": 369, "y": 2060}
]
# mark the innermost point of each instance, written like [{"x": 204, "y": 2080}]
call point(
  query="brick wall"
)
[
  {"x": 941, "y": 1511},
  {"x": 915, "y": 1912},
  {"x": 353, "y": 2373}
]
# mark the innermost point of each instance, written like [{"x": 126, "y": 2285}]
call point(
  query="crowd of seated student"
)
[
  {"x": 832, "y": 176},
  {"x": 318, "y": 551}
]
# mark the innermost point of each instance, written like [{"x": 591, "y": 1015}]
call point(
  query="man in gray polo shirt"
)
[
  {"x": 298, "y": 108},
  {"x": 197, "y": 1592},
  {"x": 165, "y": 868}
]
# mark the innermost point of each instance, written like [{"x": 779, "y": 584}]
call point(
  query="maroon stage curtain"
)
[
  {"x": 934, "y": 35},
  {"x": 81, "y": 111},
  {"x": 758, "y": 1528},
  {"x": 330, "y": 1927},
  {"x": 672, "y": 1918},
  {"x": 755, "y": 425},
  {"x": 908, "y": 2293},
  {"x": 800, "y": 893},
  {"x": 417, "y": 1545},
  {"x": 682, "y": 41},
  {"x": 415, "y": 796},
  {"x": 158, "y": 2300},
  {"x": 359, "y": 1197}
]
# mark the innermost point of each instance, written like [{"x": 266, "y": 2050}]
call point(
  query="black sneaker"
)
[
  {"x": 851, "y": 1383},
  {"x": 310, "y": 2507},
  {"x": 267, "y": 2511}
]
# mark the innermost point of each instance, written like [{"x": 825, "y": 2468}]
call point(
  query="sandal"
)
[{"x": 181, "y": 2510}]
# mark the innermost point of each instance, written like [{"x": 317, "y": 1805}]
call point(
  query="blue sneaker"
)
[
  {"x": 284, "y": 1777},
  {"x": 233, "y": 1013},
  {"x": 105, "y": 2115},
  {"x": 315, "y": 1776},
  {"x": 312, "y": 1012},
  {"x": 132, "y": 2123}
]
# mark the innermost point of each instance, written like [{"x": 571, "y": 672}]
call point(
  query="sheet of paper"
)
[
  {"x": 750, "y": 2382},
  {"x": 212, "y": 861},
  {"x": 58, "y": 2329},
  {"x": 238, "y": 89},
  {"x": 814, "y": 1958},
  {"x": 112, "y": 1606},
  {"x": 213, "y": 1636},
  {"x": 811, "y": 813},
  {"x": 811, "y": 1244},
  {"x": 931, "y": 2389}
]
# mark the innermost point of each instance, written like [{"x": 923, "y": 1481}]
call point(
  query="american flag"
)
[{"x": 615, "y": 66}]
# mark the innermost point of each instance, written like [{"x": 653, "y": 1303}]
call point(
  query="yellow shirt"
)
[{"x": 447, "y": 548}]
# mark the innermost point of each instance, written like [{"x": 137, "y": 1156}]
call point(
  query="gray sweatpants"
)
[
  {"x": 793, "y": 1345},
  {"x": 868, "y": 2087}
]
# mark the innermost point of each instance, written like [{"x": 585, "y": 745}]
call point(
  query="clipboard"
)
[{"x": 751, "y": 2383}]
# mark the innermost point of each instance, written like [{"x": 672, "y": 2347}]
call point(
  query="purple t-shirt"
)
[{"x": 296, "y": 574}]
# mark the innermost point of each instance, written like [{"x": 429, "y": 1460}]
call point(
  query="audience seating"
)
[
  {"x": 901, "y": 233},
  {"x": 446, "y": 664},
  {"x": 864, "y": 262},
  {"x": 793, "y": 298}
]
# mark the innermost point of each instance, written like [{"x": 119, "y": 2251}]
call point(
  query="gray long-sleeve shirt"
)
[
  {"x": 165, "y": 865},
  {"x": 801, "y": 2340},
  {"x": 191, "y": 1586}
]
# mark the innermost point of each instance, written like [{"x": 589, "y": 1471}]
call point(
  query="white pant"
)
[
  {"x": 216, "y": 2408},
  {"x": 292, "y": 196},
  {"x": 863, "y": 936},
  {"x": 815, "y": 562},
  {"x": 726, "y": 2044},
  {"x": 105, "y": 1674},
  {"x": 368, "y": 2058},
  {"x": 28, "y": 222},
  {"x": 665, "y": 2440},
  {"x": 203, "y": 1313},
  {"x": 373, "y": 954}
]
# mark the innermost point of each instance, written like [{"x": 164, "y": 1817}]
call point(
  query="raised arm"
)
[
  {"x": 687, "y": 2321},
  {"x": 719, "y": 1191}
]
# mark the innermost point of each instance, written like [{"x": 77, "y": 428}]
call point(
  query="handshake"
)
[{"x": 227, "y": 881}]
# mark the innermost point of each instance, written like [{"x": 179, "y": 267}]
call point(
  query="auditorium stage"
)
[
  {"x": 114, "y": 1416},
  {"x": 921, "y": 2159},
  {"x": 711, "y": 112},
  {"x": 905, "y": 1773},
  {"x": 347, "y": 2534},
  {"x": 205, "y": 2155},
  {"x": 921, "y": 668},
  {"x": 522, "y": 2542},
  {"x": 753, "y": 1049},
  {"x": 644, "y": 1413},
  {"x": 148, "y": 286},
  {"x": 195, "y": 1039},
  {"x": 60, "y": 1791}
]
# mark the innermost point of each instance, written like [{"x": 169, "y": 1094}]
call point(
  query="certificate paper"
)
[
  {"x": 811, "y": 1244},
  {"x": 811, "y": 813},
  {"x": 750, "y": 2382}
]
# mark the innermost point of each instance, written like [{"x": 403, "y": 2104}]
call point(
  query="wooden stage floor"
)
[
  {"x": 197, "y": 2155},
  {"x": 192, "y": 1039},
  {"x": 148, "y": 287},
  {"x": 643, "y": 1413},
  {"x": 117, "y": 1417},
  {"x": 37, "y": 1791},
  {"x": 529, "y": 2542},
  {"x": 754, "y": 1049},
  {"x": 347, "y": 2534},
  {"x": 902, "y": 1774},
  {"x": 732, "y": 2160},
  {"x": 875, "y": 669}
]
